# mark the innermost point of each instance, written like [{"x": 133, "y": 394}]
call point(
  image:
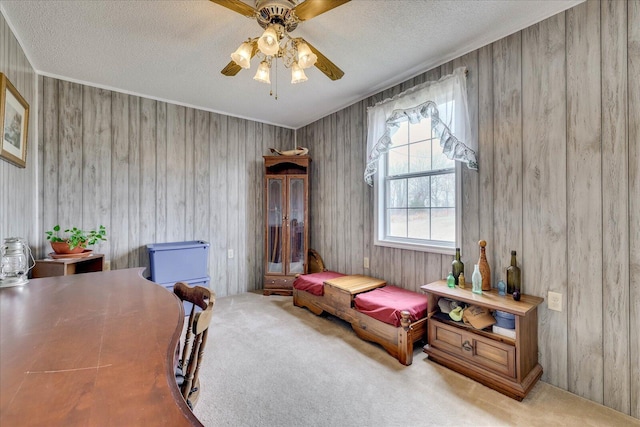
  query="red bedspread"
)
[
  {"x": 314, "y": 283},
  {"x": 385, "y": 304}
]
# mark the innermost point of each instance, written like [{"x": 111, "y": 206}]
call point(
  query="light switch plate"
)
[
  {"x": 230, "y": 253},
  {"x": 366, "y": 262},
  {"x": 554, "y": 301}
]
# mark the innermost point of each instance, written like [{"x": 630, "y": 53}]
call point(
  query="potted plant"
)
[{"x": 75, "y": 240}]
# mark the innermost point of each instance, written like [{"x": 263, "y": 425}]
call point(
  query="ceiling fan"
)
[{"x": 279, "y": 18}]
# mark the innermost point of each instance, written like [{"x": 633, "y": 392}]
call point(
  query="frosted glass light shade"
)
[
  {"x": 262, "y": 75},
  {"x": 297, "y": 74},
  {"x": 242, "y": 55},
  {"x": 268, "y": 42},
  {"x": 306, "y": 58}
]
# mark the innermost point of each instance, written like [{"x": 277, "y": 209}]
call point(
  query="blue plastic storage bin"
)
[
  {"x": 202, "y": 281},
  {"x": 505, "y": 320},
  {"x": 172, "y": 262}
]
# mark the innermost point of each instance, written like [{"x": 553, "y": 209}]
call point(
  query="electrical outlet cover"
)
[{"x": 554, "y": 301}]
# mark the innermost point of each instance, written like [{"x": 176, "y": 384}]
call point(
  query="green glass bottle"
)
[
  {"x": 513, "y": 276},
  {"x": 457, "y": 267},
  {"x": 451, "y": 281}
]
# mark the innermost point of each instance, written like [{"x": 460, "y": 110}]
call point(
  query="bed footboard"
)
[{"x": 397, "y": 341}]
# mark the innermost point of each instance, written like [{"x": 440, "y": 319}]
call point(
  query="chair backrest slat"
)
[{"x": 195, "y": 337}]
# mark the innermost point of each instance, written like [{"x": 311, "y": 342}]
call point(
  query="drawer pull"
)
[{"x": 467, "y": 346}]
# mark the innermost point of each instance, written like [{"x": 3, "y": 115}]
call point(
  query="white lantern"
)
[{"x": 14, "y": 262}]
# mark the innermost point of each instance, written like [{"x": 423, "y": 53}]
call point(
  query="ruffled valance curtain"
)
[{"x": 444, "y": 101}]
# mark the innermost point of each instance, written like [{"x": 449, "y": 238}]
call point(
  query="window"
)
[
  {"x": 416, "y": 142},
  {"x": 416, "y": 192}
]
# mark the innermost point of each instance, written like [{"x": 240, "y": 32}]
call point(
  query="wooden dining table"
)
[{"x": 94, "y": 349}]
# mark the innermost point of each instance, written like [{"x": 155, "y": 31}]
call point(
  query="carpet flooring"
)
[{"x": 269, "y": 363}]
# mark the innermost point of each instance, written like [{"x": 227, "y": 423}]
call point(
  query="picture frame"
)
[{"x": 14, "y": 123}]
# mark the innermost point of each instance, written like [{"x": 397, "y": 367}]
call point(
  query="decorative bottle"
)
[
  {"x": 451, "y": 281},
  {"x": 502, "y": 288},
  {"x": 485, "y": 270},
  {"x": 513, "y": 275},
  {"x": 457, "y": 267},
  {"x": 476, "y": 280},
  {"x": 461, "y": 283}
]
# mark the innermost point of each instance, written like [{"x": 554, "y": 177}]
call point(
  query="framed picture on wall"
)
[{"x": 14, "y": 122}]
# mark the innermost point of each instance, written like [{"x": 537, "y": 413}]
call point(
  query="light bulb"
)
[
  {"x": 262, "y": 75},
  {"x": 268, "y": 43},
  {"x": 242, "y": 55},
  {"x": 297, "y": 74},
  {"x": 306, "y": 58}
]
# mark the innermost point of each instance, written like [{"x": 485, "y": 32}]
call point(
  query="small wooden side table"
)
[
  {"x": 49, "y": 267},
  {"x": 340, "y": 292},
  {"x": 356, "y": 283},
  {"x": 508, "y": 365}
]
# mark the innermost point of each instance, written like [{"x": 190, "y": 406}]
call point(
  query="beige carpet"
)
[{"x": 268, "y": 363}]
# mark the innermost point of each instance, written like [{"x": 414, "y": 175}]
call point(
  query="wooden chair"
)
[{"x": 195, "y": 338}]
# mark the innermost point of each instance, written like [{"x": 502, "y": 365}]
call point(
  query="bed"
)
[{"x": 385, "y": 314}]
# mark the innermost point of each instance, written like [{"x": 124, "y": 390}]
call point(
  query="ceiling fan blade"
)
[
  {"x": 232, "y": 68},
  {"x": 311, "y": 8},
  {"x": 323, "y": 64},
  {"x": 237, "y": 6}
]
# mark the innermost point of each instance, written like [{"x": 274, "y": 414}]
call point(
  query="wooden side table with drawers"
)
[{"x": 508, "y": 365}]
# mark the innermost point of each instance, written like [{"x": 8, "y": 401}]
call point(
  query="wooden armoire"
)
[{"x": 286, "y": 213}]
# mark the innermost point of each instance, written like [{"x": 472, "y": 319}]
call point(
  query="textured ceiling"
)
[{"x": 174, "y": 50}]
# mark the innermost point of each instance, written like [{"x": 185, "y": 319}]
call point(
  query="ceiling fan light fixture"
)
[
  {"x": 262, "y": 75},
  {"x": 269, "y": 41},
  {"x": 306, "y": 58},
  {"x": 242, "y": 55},
  {"x": 278, "y": 18},
  {"x": 297, "y": 74}
]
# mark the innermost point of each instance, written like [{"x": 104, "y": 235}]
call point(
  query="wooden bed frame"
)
[{"x": 397, "y": 341}]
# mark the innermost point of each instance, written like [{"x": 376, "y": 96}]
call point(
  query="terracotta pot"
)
[{"x": 63, "y": 248}]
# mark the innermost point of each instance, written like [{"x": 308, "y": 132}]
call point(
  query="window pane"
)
[
  {"x": 440, "y": 161},
  {"x": 397, "y": 222},
  {"x": 398, "y": 160},
  {"x": 397, "y": 193},
  {"x": 443, "y": 224},
  {"x": 420, "y": 157},
  {"x": 419, "y": 192},
  {"x": 420, "y": 131},
  {"x": 419, "y": 223},
  {"x": 400, "y": 137},
  {"x": 443, "y": 190}
]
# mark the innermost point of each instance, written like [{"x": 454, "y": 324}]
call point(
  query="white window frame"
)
[{"x": 433, "y": 246}]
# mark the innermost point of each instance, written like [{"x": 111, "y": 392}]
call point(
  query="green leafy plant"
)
[{"x": 76, "y": 237}]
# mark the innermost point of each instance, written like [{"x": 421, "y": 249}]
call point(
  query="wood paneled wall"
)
[
  {"x": 155, "y": 172},
  {"x": 18, "y": 198},
  {"x": 556, "y": 110}
]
